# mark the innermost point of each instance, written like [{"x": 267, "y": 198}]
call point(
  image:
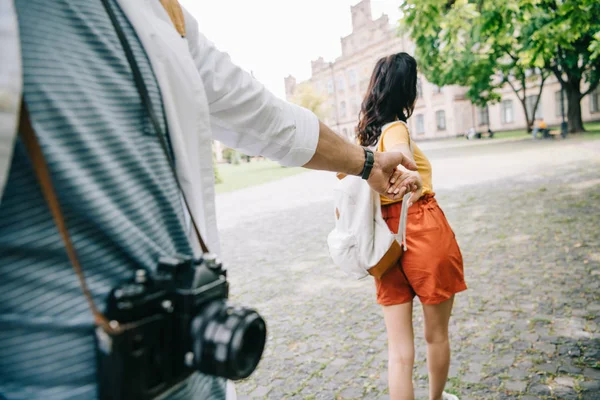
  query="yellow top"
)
[
  {"x": 542, "y": 125},
  {"x": 395, "y": 134}
]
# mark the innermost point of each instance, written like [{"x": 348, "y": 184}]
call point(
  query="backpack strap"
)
[{"x": 173, "y": 8}]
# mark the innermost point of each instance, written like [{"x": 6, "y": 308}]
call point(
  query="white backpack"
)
[{"x": 361, "y": 242}]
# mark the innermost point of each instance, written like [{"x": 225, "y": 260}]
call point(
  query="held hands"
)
[
  {"x": 417, "y": 190},
  {"x": 393, "y": 175}
]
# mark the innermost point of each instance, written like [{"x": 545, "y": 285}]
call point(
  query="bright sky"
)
[{"x": 274, "y": 38}]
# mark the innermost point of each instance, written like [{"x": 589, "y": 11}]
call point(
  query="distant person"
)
[
  {"x": 471, "y": 133},
  {"x": 432, "y": 266},
  {"x": 539, "y": 126}
]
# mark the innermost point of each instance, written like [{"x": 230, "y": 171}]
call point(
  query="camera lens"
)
[{"x": 228, "y": 341}]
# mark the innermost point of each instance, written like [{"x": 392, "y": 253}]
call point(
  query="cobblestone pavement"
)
[{"x": 527, "y": 217}]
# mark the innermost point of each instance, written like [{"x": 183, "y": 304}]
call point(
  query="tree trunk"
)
[
  {"x": 573, "y": 94},
  {"x": 529, "y": 121}
]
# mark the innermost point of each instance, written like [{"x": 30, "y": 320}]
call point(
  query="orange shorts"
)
[{"x": 432, "y": 266}]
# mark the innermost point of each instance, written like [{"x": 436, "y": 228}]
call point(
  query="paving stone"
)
[
  {"x": 547, "y": 348},
  {"x": 590, "y": 386},
  {"x": 592, "y": 353},
  {"x": 352, "y": 393},
  {"x": 565, "y": 381},
  {"x": 471, "y": 378},
  {"x": 518, "y": 374},
  {"x": 566, "y": 393},
  {"x": 590, "y": 396},
  {"x": 491, "y": 381},
  {"x": 529, "y": 337},
  {"x": 260, "y": 391},
  {"x": 570, "y": 350},
  {"x": 506, "y": 360},
  {"x": 592, "y": 373},
  {"x": 338, "y": 362},
  {"x": 539, "y": 389},
  {"x": 551, "y": 367},
  {"x": 521, "y": 345},
  {"x": 569, "y": 368},
  {"x": 515, "y": 386}
]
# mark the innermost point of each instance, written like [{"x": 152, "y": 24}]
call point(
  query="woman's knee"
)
[
  {"x": 435, "y": 336},
  {"x": 402, "y": 357}
]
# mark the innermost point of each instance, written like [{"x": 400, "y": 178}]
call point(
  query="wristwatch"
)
[{"x": 369, "y": 161}]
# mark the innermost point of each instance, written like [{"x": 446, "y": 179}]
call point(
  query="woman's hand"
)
[
  {"x": 404, "y": 181},
  {"x": 418, "y": 192},
  {"x": 388, "y": 175}
]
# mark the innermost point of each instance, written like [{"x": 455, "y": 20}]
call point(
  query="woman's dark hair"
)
[{"x": 391, "y": 95}]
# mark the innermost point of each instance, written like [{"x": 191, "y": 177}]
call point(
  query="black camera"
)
[{"x": 171, "y": 323}]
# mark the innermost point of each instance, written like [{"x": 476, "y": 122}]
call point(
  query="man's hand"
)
[
  {"x": 389, "y": 173},
  {"x": 391, "y": 177}
]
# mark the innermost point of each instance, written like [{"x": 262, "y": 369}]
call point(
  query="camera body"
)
[{"x": 171, "y": 323}]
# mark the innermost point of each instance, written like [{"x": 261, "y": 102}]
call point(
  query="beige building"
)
[{"x": 439, "y": 112}]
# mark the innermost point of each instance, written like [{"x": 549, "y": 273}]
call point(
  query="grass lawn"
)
[
  {"x": 250, "y": 174},
  {"x": 592, "y": 132},
  {"x": 510, "y": 134}
]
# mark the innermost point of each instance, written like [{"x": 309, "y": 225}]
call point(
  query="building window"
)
[
  {"x": 557, "y": 104},
  {"x": 507, "y": 112},
  {"x": 437, "y": 89},
  {"x": 440, "y": 117},
  {"x": 355, "y": 107},
  {"x": 420, "y": 124},
  {"x": 343, "y": 109},
  {"x": 340, "y": 84},
  {"x": 594, "y": 101},
  {"x": 330, "y": 86},
  {"x": 419, "y": 88},
  {"x": 351, "y": 78},
  {"x": 530, "y": 103},
  {"x": 364, "y": 85},
  {"x": 483, "y": 115}
]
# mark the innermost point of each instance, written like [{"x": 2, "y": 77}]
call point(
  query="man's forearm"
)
[{"x": 336, "y": 154}]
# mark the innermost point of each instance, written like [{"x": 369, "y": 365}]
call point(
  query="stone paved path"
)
[{"x": 527, "y": 217}]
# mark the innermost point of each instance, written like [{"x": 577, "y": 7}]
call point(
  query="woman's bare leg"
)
[
  {"x": 438, "y": 346},
  {"x": 401, "y": 350}
]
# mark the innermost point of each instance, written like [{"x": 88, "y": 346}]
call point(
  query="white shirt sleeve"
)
[{"x": 244, "y": 114}]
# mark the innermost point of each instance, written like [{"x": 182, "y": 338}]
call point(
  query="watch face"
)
[{"x": 369, "y": 160}]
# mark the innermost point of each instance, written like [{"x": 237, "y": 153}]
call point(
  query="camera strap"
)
[
  {"x": 147, "y": 102},
  {"x": 40, "y": 168}
]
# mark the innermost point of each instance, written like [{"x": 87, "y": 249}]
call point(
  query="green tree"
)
[
  {"x": 306, "y": 96},
  {"x": 218, "y": 178},
  {"x": 485, "y": 44},
  {"x": 564, "y": 37}
]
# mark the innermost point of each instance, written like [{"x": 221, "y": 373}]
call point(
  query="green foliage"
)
[
  {"x": 306, "y": 96},
  {"x": 232, "y": 156},
  {"x": 484, "y": 44},
  {"x": 216, "y": 169},
  {"x": 595, "y": 47}
]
